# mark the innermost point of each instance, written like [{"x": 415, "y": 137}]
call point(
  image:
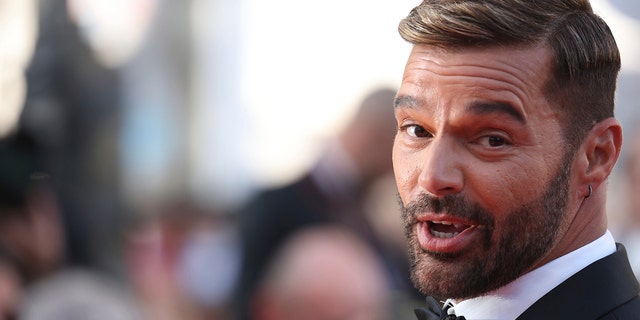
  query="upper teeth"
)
[{"x": 448, "y": 223}]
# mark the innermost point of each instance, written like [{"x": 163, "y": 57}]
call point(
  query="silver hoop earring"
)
[{"x": 590, "y": 192}]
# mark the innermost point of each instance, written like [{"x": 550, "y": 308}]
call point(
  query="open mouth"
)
[
  {"x": 446, "y": 229},
  {"x": 447, "y": 234}
]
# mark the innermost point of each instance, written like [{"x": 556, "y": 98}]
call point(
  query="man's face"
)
[{"x": 481, "y": 167}]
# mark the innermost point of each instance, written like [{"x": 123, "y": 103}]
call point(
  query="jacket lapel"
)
[{"x": 590, "y": 293}]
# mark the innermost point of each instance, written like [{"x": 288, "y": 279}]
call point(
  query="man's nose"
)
[{"x": 441, "y": 168}]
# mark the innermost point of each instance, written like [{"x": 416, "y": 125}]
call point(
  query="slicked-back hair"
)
[{"x": 585, "y": 57}]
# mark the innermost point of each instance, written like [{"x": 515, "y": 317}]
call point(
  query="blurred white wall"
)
[
  {"x": 623, "y": 17},
  {"x": 18, "y": 32},
  {"x": 275, "y": 78}
]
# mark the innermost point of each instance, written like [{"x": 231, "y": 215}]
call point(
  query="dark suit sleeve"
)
[{"x": 266, "y": 223}]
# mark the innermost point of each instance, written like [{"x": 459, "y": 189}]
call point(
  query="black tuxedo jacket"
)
[{"x": 606, "y": 289}]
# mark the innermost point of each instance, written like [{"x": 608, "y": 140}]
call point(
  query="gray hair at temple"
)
[{"x": 585, "y": 61}]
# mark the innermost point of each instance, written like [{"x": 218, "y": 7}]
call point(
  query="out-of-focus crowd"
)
[{"x": 327, "y": 245}]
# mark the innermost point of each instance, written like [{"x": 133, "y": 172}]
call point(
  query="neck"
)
[{"x": 587, "y": 223}]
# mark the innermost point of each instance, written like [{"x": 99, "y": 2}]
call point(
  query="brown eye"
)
[
  {"x": 496, "y": 141},
  {"x": 417, "y": 131}
]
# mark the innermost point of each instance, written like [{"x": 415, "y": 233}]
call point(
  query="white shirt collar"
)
[{"x": 513, "y": 299}]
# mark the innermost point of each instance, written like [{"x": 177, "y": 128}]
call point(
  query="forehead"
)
[{"x": 510, "y": 75}]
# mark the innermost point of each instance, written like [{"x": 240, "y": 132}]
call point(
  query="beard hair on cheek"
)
[{"x": 527, "y": 234}]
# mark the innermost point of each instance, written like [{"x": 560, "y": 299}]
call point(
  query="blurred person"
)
[
  {"x": 334, "y": 191},
  {"x": 31, "y": 230},
  {"x": 40, "y": 168},
  {"x": 11, "y": 287},
  {"x": 506, "y": 140},
  {"x": 627, "y": 222},
  {"x": 71, "y": 109},
  {"x": 33, "y": 241},
  {"x": 78, "y": 294},
  {"x": 323, "y": 273},
  {"x": 183, "y": 263}
]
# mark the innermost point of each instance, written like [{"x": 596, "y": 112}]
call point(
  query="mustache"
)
[{"x": 453, "y": 205}]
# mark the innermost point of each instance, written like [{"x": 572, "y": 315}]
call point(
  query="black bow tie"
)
[{"x": 433, "y": 311}]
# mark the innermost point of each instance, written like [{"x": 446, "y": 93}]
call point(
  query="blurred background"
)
[{"x": 137, "y": 134}]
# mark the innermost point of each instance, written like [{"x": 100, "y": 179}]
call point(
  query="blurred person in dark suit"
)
[
  {"x": 35, "y": 266},
  {"x": 71, "y": 109},
  {"x": 334, "y": 191},
  {"x": 31, "y": 229},
  {"x": 24, "y": 256}
]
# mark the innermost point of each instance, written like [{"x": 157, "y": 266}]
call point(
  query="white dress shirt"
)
[{"x": 508, "y": 302}]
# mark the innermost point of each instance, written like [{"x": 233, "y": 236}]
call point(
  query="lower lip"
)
[{"x": 457, "y": 243}]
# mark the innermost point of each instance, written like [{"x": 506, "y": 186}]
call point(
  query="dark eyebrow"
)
[
  {"x": 406, "y": 102},
  {"x": 481, "y": 108}
]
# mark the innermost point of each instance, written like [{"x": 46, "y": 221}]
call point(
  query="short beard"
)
[{"x": 529, "y": 233}]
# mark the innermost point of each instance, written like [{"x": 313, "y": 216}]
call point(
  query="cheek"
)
[
  {"x": 397, "y": 164},
  {"x": 404, "y": 172},
  {"x": 503, "y": 190}
]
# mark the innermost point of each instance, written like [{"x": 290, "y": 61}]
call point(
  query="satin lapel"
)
[{"x": 590, "y": 293}]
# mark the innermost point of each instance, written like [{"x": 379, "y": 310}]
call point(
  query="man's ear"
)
[{"x": 600, "y": 150}]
